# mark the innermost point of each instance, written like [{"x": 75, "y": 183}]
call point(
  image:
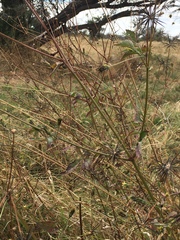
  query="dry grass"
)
[
  {"x": 159, "y": 48},
  {"x": 57, "y": 121}
]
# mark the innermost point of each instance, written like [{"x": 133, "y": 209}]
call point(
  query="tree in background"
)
[
  {"x": 17, "y": 16},
  {"x": 16, "y": 19}
]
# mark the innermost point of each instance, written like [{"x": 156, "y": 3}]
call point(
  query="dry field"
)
[
  {"x": 78, "y": 160},
  {"x": 80, "y": 51}
]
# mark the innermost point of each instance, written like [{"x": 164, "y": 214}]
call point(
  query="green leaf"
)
[
  {"x": 71, "y": 167},
  {"x": 130, "y": 49},
  {"x": 127, "y": 44},
  {"x": 131, "y": 34},
  {"x": 73, "y": 94},
  {"x": 71, "y": 213},
  {"x": 127, "y": 53},
  {"x": 139, "y": 200},
  {"x": 143, "y": 134}
]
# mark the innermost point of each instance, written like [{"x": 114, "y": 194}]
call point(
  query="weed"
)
[{"x": 91, "y": 152}]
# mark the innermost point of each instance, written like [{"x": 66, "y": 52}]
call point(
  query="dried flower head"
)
[
  {"x": 13, "y": 130},
  {"x": 165, "y": 169}
]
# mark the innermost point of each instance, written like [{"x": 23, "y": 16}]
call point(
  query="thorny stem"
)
[
  {"x": 151, "y": 197},
  {"x": 149, "y": 40},
  {"x": 80, "y": 219},
  {"x": 10, "y": 180},
  {"x": 148, "y": 44},
  {"x": 147, "y": 65}
]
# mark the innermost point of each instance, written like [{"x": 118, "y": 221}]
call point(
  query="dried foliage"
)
[{"x": 89, "y": 139}]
